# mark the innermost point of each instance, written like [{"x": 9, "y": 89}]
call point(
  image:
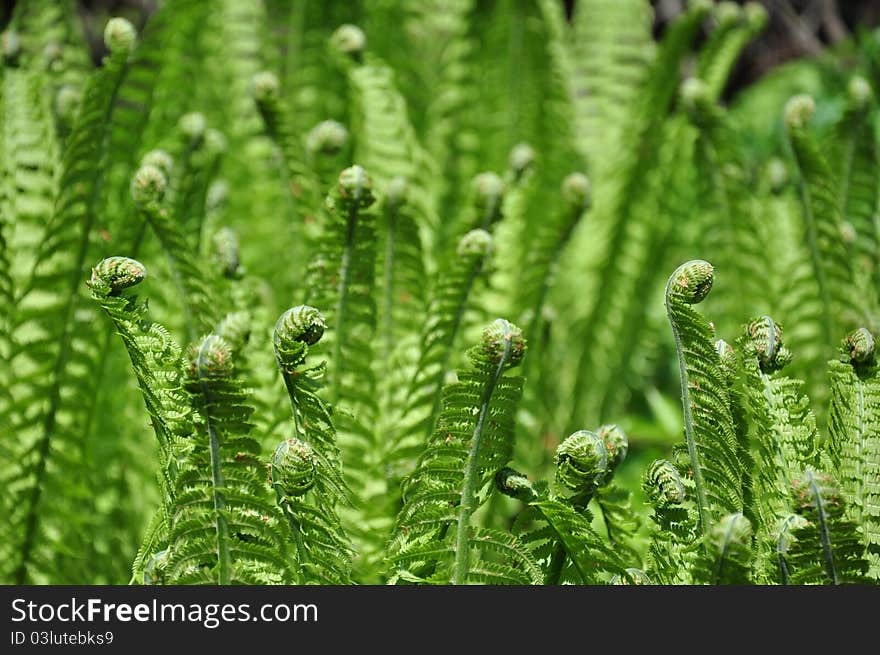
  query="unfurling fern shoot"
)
[{"x": 708, "y": 424}]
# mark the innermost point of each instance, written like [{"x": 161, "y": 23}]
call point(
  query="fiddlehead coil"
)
[
  {"x": 117, "y": 273},
  {"x": 119, "y": 35},
  {"x": 148, "y": 186},
  {"x": 498, "y": 337},
  {"x": 616, "y": 444},
  {"x": 327, "y": 138},
  {"x": 858, "y": 347},
  {"x": 663, "y": 485},
  {"x": 581, "y": 462},
  {"x": 294, "y": 468},
  {"x": 691, "y": 282}
]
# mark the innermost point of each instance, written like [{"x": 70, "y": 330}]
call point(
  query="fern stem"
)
[{"x": 471, "y": 472}]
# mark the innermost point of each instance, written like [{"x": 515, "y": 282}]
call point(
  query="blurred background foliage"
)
[{"x": 510, "y": 82}]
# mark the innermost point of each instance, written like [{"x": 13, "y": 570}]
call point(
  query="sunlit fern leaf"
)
[
  {"x": 223, "y": 526},
  {"x": 454, "y": 475},
  {"x": 449, "y": 301},
  {"x": 621, "y": 524},
  {"x": 158, "y": 366},
  {"x": 854, "y": 437},
  {"x": 441, "y": 33},
  {"x": 341, "y": 278},
  {"x": 612, "y": 53},
  {"x": 735, "y": 27},
  {"x": 628, "y": 219},
  {"x": 300, "y": 163},
  {"x": 385, "y": 142},
  {"x": 200, "y": 313},
  {"x": 709, "y": 430},
  {"x": 727, "y": 552},
  {"x": 57, "y": 364},
  {"x": 783, "y": 431},
  {"x": 587, "y": 552},
  {"x": 824, "y": 547},
  {"x": 731, "y": 236}
]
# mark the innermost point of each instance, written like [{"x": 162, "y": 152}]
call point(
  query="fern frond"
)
[
  {"x": 446, "y": 312},
  {"x": 854, "y": 437},
  {"x": 731, "y": 235},
  {"x": 824, "y": 547},
  {"x": 671, "y": 555},
  {"x": 148, "y": 187},
  {"x": 826, "y": 305},
  {"x": 727, "y": 554},
  {"x": 223, "y": 526},
  {"x": 54, "y": 396},
  {"x": 709, "y": 430},
  {"x": 734, "y": 28},
  {"x": 783, "y": 429},
  {"x": 454, "y": 475},
  {"x": 855, "y": 160}
]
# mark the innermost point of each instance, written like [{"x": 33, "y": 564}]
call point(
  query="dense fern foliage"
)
[{"x": 436, "y": 293}]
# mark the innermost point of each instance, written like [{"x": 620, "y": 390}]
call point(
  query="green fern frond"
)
[
  {"x": 824, "y": 546},
  {"x": 223, "y": 528},
  {"x": 158, "y": 366},
  {"x": 783, "y": 429},
  {"x": 854, "y": 437},
  {"x": 472, "y": 441},
  {"x": 735, "y": 27},
  {"x": 54, "y": 397},
  {"x": 671, "y": 554},
  {"x": 854, "y": 157},
  {"x": 727, "y": 553},
  {"x": 148, "y": 188},
  {"x": 825, "y": 306},
  {"x": 709, "y": 430}
]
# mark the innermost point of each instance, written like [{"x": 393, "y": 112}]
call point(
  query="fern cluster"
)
[{"x": 409, "y": 319}]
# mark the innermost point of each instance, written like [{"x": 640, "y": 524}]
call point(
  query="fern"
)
[
  {"x": 853, "y": 436},
  {"x": 343, "y": 281},
  {"x": 224, "y": 529},
  {"x": 53, "y": 403},
  {"x": 854, "y": 157},
  {"x": 783, "y": 428},
  {"x": 671, "y": 555},
  {"x": 446, "y": 314},
  {"x": 728, "y": 552},
  {"x": 473, "y": 440},
  {"x": 824, "y": 547},
  {"x": 709, "y": 430},
  {"x": 825, "y": 305},
  {"x": 736, "y": 27}
]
